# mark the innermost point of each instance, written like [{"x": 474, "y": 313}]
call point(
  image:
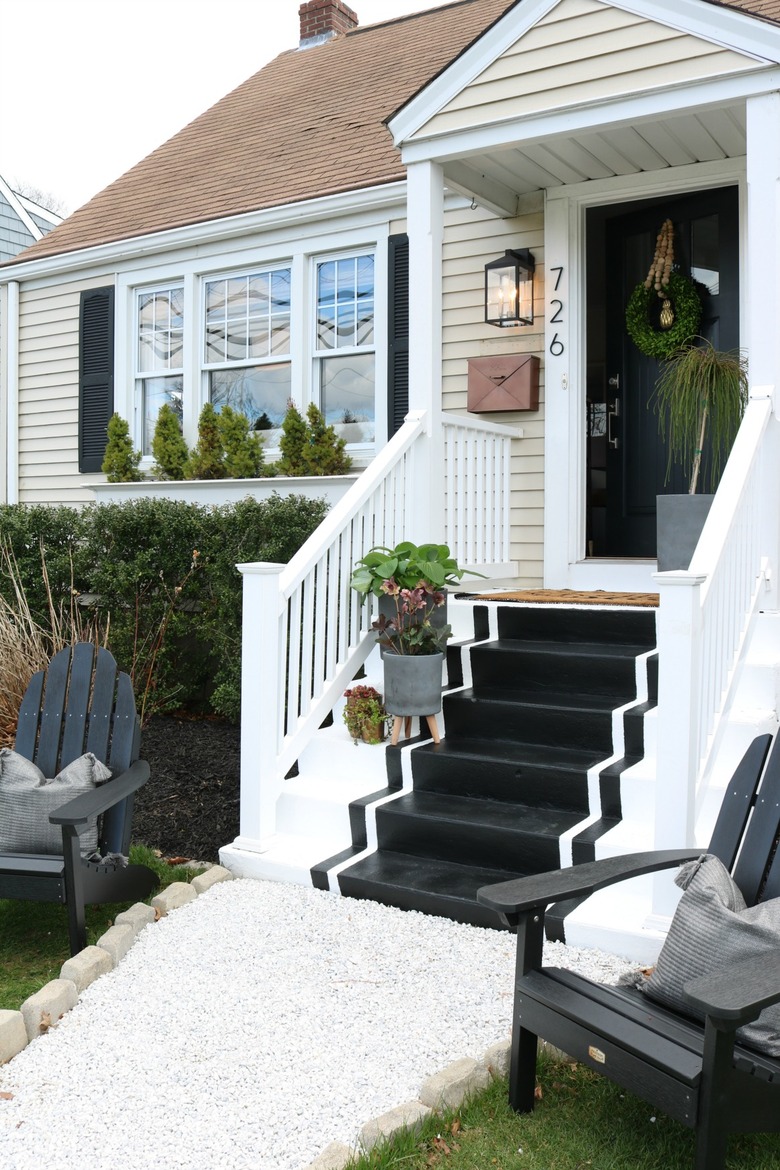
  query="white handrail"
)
[
  {"x": 305, "y": 633},
  {"x": 704, "y": 617}
]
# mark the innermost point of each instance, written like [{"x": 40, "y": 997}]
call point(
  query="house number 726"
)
[{"x": 556, "y": 345}]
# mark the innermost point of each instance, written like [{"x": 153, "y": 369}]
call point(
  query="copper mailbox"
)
[{"x": 509, "y": 382}]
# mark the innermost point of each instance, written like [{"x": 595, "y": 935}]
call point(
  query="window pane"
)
[
  {"x": 257, "y": 298},
  {"x": 326, "y": 327},
  {"x": 215, "y": 343},
  {"x": 326, "y": 282},
  {"x": 146, "y": 310},
  {"x": 345, "y": 303},
  {"x": 215, "y": 300},
  {"x": 236, "y": 340},
  {"x": 704, "y": 253},
  {"x": 177, "y": 307},
  {"x": 347, "y": 385},
  {"x": 155, "y": 392},
  {"x": 259, "y": 392},
  {"x": 280, "y": 291},
  {"x": 160, "y": 330},
  {"x": 346, "y": 324},
  {"x": 280, "y": 335},
  {"x": 258, "y": 337},
  {"x": 256, "y": 312},
  {"x": 365, "y": 325},
  {"x": 346, "y": 280}
]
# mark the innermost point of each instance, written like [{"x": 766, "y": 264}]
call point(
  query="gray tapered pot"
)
[
  {"x": 413, "y": 683},
  {"x": 679, "y": 523}
]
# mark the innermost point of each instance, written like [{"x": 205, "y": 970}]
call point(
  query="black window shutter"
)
[
  {"x": 96, "y": 374},
  {"x": 397, "y": 333}
]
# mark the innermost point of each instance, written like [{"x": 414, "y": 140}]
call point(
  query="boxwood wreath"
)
[
  {"x": 664, "y": 310},
  {"x": 650, "y": 338}
]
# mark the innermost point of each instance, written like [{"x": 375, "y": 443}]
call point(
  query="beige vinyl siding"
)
[
  {"x": 470, "y": 239},
  {"x": 582, "y": 51},
  {"x": 49, "y": 394}
]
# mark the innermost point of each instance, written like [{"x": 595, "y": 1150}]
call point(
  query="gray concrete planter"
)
[
  {"x": 213, "y": 492},
  {"x": 680, "y": 520},
  {"x": 413, "y": 683}
]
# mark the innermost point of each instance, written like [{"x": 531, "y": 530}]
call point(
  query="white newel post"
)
[
  {"x": 678, "y": 728},
  {"x": 763, "y": 299},
  {"x": 262, "y": 697},
  {"x": 425, "y": 227}
]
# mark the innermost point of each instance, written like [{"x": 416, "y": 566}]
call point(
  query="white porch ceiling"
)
[{"x": 497, "y": 177}]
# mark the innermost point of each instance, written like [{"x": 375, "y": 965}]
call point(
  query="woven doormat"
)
[{"x": 566, "y": 597}]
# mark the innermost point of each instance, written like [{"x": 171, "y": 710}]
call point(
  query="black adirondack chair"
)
[
  {"x": 81, "y": 703},
  {"x": 697, "y": 1073}
]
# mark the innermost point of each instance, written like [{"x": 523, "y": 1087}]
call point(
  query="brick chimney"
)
[{"x": 323, "y": 19}]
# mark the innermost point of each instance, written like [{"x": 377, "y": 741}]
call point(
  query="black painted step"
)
[
  {"x": 581, "y": 722},
  {"x": 556, "y": 667},
  {"x": 491, "y": 801},
  {"x": 501, "y": 770},
  {"x": 445, "y": 888},
  {"x": 483, "y": 832},
  {"x": 576, "y": 625}
]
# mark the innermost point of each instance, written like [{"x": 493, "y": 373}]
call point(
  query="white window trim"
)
[{"x": 196, "y": 270}]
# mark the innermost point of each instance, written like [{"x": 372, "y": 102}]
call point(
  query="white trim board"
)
[{"x": 718, "y": 25}]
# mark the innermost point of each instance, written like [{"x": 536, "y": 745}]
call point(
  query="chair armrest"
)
[
  {"x": 89, "y": 804},
  {"x": 576, "y": 881},
  {"x": 737, "y": 993}
]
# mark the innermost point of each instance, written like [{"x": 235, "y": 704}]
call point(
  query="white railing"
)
[
  {"x": 477, "y": 454},
  {"x": 704, "y": 617},
  {"x": 305, "y": 633}
]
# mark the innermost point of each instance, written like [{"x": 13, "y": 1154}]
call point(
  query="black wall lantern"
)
[{"x": 509, "y": 289}]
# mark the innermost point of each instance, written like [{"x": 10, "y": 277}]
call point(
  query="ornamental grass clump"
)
[{"x": 701, "y": 393}]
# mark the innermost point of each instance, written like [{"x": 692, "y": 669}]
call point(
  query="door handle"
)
[{"x": 613, "y": 412}]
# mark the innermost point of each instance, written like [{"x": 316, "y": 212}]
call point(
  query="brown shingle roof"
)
[{"x": 310, "y": 123}]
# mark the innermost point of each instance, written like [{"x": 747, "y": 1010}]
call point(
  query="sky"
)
[{"x": 90, "y": 87}]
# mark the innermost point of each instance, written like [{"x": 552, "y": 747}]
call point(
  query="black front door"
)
[{"x": 627, "y": 457}]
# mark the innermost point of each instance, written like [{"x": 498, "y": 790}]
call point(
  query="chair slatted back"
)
[
  {"x": 82, "y": 703},
  {"x": 748, "y": 824}
]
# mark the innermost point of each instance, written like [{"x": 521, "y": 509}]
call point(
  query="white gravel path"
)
[{"x": 254, "y": 1026}]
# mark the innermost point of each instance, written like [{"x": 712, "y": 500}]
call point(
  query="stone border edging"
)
[
  {"x": 43, "y": 1010},
  {"x": 46, "y": 1007}
]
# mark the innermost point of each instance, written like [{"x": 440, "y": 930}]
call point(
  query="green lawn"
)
[
  {"x": 581, "y": 1122},
  {"x": 34, "y": 935}
]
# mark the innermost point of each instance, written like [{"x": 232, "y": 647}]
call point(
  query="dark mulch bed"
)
[{"x": 189, "y": 807}]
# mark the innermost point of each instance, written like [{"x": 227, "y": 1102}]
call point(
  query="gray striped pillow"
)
[
  {"x": 27, "y": 799},
  {"x": 712, "y": 927}
]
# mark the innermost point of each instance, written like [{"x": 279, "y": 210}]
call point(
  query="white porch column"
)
[
  {"x": 678, "y": 727},
  {"x": 763, "y": 236},
  {"x": 262, "y": 706},
  {"x": 425, "y": 227},
  {"x": 763, "y": 299}
]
